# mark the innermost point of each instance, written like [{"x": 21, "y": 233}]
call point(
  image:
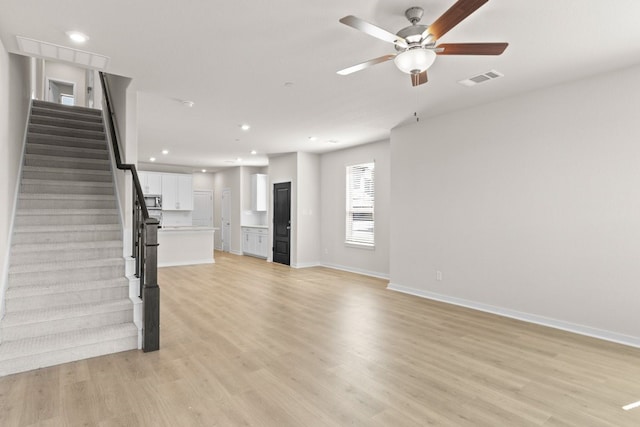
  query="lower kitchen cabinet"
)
[{"x": 255, "y": 241}]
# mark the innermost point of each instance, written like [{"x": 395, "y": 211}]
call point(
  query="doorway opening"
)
[{"x": 61, "y": 92}]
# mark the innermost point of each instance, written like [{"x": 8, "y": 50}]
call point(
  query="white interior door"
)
[
  {"x": 203, "y": 208},
  {"x": 226, "y": 220}
]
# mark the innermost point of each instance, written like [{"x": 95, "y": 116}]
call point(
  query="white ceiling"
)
[{"x": 233, "y": 58}]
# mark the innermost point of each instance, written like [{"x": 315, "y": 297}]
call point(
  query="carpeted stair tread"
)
[
  {"x": 45, "y": 289},
  {"x": 28, "y": 317},
  {"x": 67, "y": 265}
]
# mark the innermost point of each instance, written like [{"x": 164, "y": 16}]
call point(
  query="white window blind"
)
[{"x": 360, "y": 204}]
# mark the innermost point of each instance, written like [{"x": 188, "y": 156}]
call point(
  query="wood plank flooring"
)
[{"x": 250, "y": 343}]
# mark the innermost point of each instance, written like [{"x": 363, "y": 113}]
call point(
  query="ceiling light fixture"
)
[
  {"x": 77, "y": 36},
  {"x": 254, "y": 152},
  {"x": 313, "y": 138},
  {"x": 415, "y": 60},
  {"x": 245, "y": 127},
  {"x": 204, "y": 170},
  {"x": 188, "y": 103},
  {"x": 165, "y": 152},
  {"x": 152, "y": 159},
  {"x": 239, "y": 159}
]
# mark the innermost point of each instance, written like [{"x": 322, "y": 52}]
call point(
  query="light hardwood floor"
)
[{"x": 245, "y": 342}]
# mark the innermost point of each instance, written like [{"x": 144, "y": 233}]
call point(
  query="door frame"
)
[
  {"x": 273, "y": 205},
  {"x": 227, "y": 247},
  {"x": 66, "y": 82}
]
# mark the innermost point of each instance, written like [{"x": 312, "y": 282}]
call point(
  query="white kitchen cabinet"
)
[
  {"x": 258, "y": 192},
  {"x": 255, "y": 241},
  {"x": 177, "y": 192},
  {"x": 151, "y": 182}
]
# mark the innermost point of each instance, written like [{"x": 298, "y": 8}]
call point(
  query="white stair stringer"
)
[{"x": 68, "y": 297}]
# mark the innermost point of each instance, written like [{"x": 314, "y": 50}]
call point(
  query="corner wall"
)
[
  {"x": 334, "y": 252},
  {"x": 308, "y": 210},
  {"x": 14, "y": 109},
  {"x": 530, "y": 207}
]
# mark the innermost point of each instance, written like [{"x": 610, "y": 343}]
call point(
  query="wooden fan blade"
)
[
  {"x": 419, "y": 78},
  {"x": 471, "y": 48},
  {"x": 373, "y": 30},
  {"x": 365, "y": 64},
  {"x": 452, "y": 17}
]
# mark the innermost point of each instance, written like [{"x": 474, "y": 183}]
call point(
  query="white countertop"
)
[
  {"x": 187, "y": 228},
  {"x": 254, "y": 226}
]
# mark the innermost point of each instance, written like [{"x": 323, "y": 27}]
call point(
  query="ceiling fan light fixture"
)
[{"x": 414, "y": 61}]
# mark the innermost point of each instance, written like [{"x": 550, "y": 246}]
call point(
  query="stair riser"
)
[
  {"x": 66, "y": 276},
  {"x": 66, "y": 237},
  {"x": 37, "y": 257},
  {"x": 66, "y": 108},
  {"x": 65, "y": 204},
  {"x": 63, "y": 189},
  {"x": 67, "y": 163},
  {"x": 52, "y": 150},
  {"x": 65, "y": 219},
  {"x": 67, "y": 176},
  {"x": 66, "y": 123},
  {"x": 57, "y": 357},
  {"x": 50, "y": 112},
  {"x": 64, "y": 299},
  {"x": 61, "y": 141},
  {"x": 52, "y": 130},
  {"x": 31, "y": 330}
]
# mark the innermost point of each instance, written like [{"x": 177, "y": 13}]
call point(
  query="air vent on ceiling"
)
[
  {"x": 481, "y": 78},
  {"x": 47, "y": 50}
]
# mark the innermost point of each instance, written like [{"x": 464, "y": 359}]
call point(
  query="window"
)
[{"x": 360, "y": 204}]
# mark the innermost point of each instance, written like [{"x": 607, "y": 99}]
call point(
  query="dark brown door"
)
[{"x": 282, "y": 223}]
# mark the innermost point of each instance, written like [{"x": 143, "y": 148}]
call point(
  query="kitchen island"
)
[{"x": 185, "y": 246}]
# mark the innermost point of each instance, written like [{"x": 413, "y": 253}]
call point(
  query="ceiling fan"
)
[{"x": 416, "y": 44}]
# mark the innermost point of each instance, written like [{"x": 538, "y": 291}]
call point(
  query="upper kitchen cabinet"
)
[
  {"x": 151, "y": 182},
  {"x": 258, "y": 192},
  {"x": 177, "y": 192}
]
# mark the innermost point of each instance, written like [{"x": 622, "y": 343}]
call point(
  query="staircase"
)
[{"x": 67, "y": 297}]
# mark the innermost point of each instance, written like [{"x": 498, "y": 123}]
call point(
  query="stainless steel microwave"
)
[{"x": 153, "y": 201}]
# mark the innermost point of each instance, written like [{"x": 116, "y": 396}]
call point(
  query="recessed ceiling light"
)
[
  {"x": 165, "y": 152},
  {"x": 204, "y": 170},
  {"x": 313, "y": 138},
  {"x": 77, "y": 36},
  {"x": 239, "y": 159},
  {"x": 245, "y": 127},
  {"x": 254, "y": 152},
  {"x": 152, "y": 159},
  {"x": 188, "y": 103}
]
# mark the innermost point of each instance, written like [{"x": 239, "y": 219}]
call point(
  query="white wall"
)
[
  {"x": 228, "y": 178},
  {"x": 332, "y": 217},
  {"x": 67, "y": 73},
  {"x": 14, "y": 107},
  {"x": 308, "y": 210},
  {"x": 284, "y": 169},
  {"x": 124, "y": 102},
  {"x": 530, "y": 206}
]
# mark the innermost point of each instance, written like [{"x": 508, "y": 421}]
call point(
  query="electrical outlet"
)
[{"x": 438, "y": 275}]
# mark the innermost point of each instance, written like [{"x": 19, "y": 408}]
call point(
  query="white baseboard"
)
[
  {"x": 182, "y": 263},
  {"x": 356, "y": 270},
  {"x": 526, "y": 317},
  {"x": 306, "y": 264},
  {"x": 236, "y": 252}
]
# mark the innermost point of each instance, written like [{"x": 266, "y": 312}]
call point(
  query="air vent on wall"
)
[
  {"x": 61, "y": 53},
  {"x": 481, "y": 78}
]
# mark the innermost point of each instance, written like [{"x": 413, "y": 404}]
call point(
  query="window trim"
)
[{"x": 349, "y": 208}]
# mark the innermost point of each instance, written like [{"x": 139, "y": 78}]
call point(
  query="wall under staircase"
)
[{"x": 67, "y": 297}]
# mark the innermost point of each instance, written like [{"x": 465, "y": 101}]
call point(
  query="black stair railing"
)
[{"x": 144, "y": 239}]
